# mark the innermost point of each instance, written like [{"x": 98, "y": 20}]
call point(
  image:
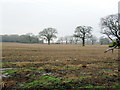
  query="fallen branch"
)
[
  {"x": 117, "y": 44},
  {"x": 111, "y": 49}
]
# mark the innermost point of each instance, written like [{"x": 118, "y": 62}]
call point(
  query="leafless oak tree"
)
[
  {"x": 110, "y": 27},
  {"x": 48, "y": 34},
  {"x": 83, "y": 32}
]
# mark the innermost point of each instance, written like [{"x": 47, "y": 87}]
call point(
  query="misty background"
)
[{"x": 32, "y": 16}]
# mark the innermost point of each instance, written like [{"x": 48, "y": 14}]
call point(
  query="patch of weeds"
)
[
  {"x": 105, "y": 75},
  {"x": 32, "y": 84},
  {"x": 50, "y": 82},
  {"x": 6, "y": 64},
  {"x": 31, "y": 68},
  {"x": 108, "y": 71},
  {"x": 83, "y": 77},
  {"x": 40, "y": 68},
  {"x": 70, "y": 67},
  {"x": 117, "y": 85},
  {"x": 45, "y": 81},
  {"x": 99, "y": 86},
  {"x": 51, "y": 78},
  {"x": 11, "y": 71},
  {"x": 89, "y": 86},
  {"x": 33, "y": 75}
]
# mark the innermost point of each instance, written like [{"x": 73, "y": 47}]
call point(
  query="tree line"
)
[
  {"x": 82, "y": 34},
  {"x": 27, "y": 38},
  {"x": 31, "y": 38}
]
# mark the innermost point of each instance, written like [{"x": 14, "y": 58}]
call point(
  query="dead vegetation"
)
[{"x": 85, "y": 66}]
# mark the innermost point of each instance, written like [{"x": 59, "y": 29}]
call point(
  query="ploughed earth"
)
[{"x": 58, "y": 66}]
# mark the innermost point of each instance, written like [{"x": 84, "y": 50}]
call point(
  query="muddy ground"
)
[{"x": 58, "y": 66}]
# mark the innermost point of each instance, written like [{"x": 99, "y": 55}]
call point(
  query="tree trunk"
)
[
  {"x": 92, "y": 42},
  {"x": 48, "y": 42},
  {"x": 30, "y": 39},
  {"x": 66, "y": 42},
  {"x": 83, "y": 39}
]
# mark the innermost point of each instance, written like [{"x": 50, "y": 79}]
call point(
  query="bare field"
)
[{"x": 59, "y": 66}]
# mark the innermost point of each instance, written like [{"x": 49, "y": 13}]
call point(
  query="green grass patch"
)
[
  {"x": 51, "y": 78},
  {"x": 6, "y": 64},
  {"x": 32, "y": 68},
  {"x": 108, "y": 71},
  {"x": 103, "y": 74},
  {"x": 107, "y": 76},
  {"x": 33, "y": 75},
  {"x": 32, "y": 84},
  {"x": 83, "y": 77},
  {"x": 11, "y": 71},
  {"x": 45, "y": 81},
  {"x": 99, "y": 86},
  {"x": 48, "y": 82},
  {"x": 117, "y": 85},
  {"x": 89, "y": 86}
]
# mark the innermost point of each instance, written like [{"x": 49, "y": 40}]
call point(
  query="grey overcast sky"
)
[{"x": 32, "y": 16}]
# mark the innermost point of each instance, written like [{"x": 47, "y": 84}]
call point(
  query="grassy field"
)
[{"x": 58, "y": 66}]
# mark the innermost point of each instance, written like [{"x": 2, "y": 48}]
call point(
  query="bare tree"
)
[
  {"x": 93, "y": 39},
  {"x": 29, "y": 36},
  {"x": 48, "y": 34},
  {"x": 71, "y": 39},
  {"x": 76, "y": 39},
  {"x": 83, "y": 32},
  {"x": 109, "y": 26}
]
